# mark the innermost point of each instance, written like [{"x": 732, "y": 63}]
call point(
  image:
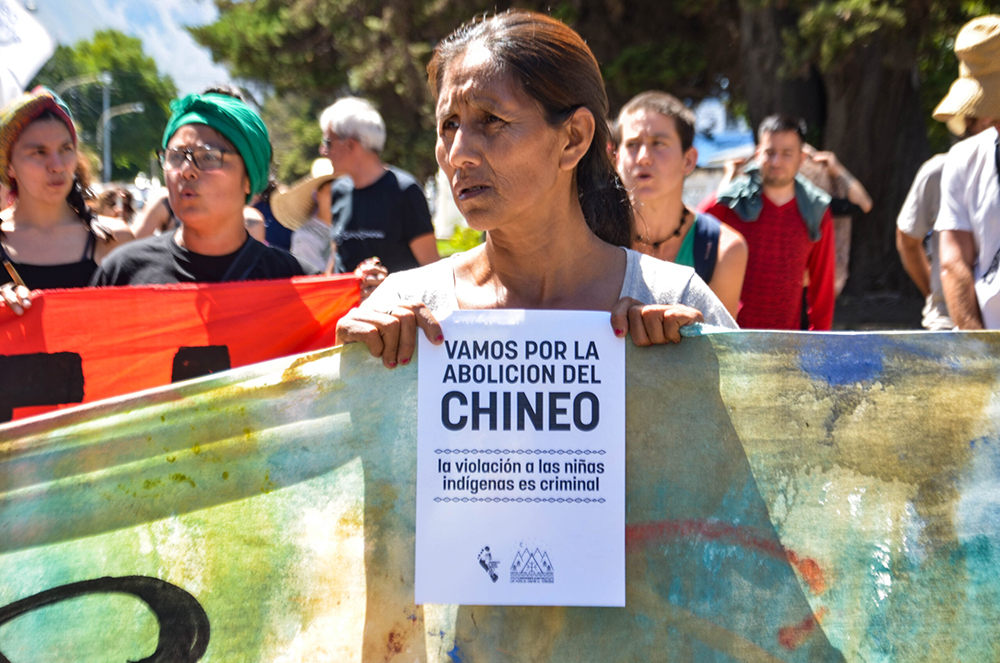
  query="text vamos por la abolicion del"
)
[{"x": 544, "y": 362}]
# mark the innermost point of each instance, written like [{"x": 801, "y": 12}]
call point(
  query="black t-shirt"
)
[
  {"x": 379, "y": 220},
  {"x": 159, "y": 260}
]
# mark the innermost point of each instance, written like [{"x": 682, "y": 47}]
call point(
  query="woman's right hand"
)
[
  {"x": 16, "y": 297},
  {"x": 391, "y": 335},
  {"x": 652, "y": 324}
]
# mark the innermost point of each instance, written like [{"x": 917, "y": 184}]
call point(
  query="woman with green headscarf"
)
[{"x": 215, "y": 157}]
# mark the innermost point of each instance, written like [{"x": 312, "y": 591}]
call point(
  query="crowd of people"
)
[{"x": 578, "y": 211}]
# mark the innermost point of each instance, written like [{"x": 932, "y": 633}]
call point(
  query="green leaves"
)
[
  {"x": 828, "y": 30},
  {"x": 135, "y": 137},
  {"x": 665, "y": 65}
]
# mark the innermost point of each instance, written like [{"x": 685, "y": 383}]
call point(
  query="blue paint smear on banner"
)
[{"x": 831, "y": 364}]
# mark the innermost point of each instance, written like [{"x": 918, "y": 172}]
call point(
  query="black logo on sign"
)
[
  {"x": 532, "y": 566},
  {"x": 486, "y": 561}
]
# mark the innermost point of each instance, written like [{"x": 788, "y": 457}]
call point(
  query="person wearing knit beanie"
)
[{"x": 49, "y": 238}]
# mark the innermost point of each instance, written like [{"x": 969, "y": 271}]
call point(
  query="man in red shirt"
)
[{"x": 789, "y": 231}]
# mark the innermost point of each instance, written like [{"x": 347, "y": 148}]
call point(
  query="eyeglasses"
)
[
  {"x": 327, "y": 142},
  {"x": 203, "y": 158}
]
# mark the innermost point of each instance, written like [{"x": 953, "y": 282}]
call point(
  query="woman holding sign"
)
[{"x": 522, "y": 137}]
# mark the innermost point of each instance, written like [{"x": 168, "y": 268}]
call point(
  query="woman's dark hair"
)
[
  {"x": 553, "y": 65},
  {"x": 128, "y": 205},
  {"x": 265, "y": 195},
  {"x": 77, "y": 198}
]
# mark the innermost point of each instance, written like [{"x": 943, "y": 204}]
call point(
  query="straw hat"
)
[
  {"x": 976, "y": 91},
  {"x": 293, "y": 207}
]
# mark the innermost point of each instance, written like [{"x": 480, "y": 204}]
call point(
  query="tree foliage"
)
[
  {"x": 295, "y": 133},
  {"x": 135, "y": 137},
  {"x": 865, "y": 73},
  {"x": 324, "y": 49}
]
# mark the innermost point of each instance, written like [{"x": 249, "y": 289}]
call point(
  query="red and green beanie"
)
[{"x": 22, "y": 111}]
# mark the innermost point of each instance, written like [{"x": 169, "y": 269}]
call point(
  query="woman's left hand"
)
[
  {"x": 652, "y": 324},
  {"x": 16, "y": 297}
]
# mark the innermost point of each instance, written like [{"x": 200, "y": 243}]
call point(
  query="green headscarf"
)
[{"x": 236, "y": 121}]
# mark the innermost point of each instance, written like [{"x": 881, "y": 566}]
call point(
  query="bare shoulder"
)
[
  {"x": 732, "y": 245},
  {"x": 154, "y": 216},
  {"x": 119, "y": 230},
  {"x": 252, "y": 214},
  {"x": 157, "y": 204}
]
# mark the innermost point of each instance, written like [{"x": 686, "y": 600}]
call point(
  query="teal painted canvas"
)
[{"x": 790, "y": 497}]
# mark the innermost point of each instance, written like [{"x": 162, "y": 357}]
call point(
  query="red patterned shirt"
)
[{"x": 780, "y": 254}]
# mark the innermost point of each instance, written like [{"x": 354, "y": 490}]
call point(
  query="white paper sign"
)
[{"x": 521, "y": 461}]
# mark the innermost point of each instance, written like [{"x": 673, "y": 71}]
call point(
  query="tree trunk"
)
[
  {"x": 766, "y": 89},
  {"x": 876, "y": 127},
  {"x": 865, "y": 111}
]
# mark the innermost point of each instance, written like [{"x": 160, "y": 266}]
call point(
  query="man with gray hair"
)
[{"x": 378, "y": 211}]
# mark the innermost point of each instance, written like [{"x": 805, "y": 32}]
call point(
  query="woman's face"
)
[
  {"x": 43, "y": 162},
  {"x": 500, "y": 155},
  {"x": 206, "y": 199}
]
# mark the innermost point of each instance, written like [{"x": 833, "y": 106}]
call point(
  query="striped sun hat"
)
[{"x": 21, "y": 112}]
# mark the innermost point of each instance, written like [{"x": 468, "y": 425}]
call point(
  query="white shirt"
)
[
  {"x": 647, "y": 279},
  {"x": 970, "y": 201},
  {"x": 970, "y": 195},
  {"x": 916, "y": 219},
  {"x": 311, "y": 243}
]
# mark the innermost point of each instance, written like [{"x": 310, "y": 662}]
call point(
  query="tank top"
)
[
  {"x": 700, "y": 248},
  {"x": 47, "y": 277}
]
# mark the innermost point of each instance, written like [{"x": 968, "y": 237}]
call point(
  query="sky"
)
[{"x": 159, "y": 24}]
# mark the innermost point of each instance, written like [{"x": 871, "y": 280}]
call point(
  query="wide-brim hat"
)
[
  {"x": 294, "y": 206},
  {"x": 976, "y": 91}
]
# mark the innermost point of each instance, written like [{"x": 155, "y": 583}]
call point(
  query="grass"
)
[{"x": 463, "y": 240}]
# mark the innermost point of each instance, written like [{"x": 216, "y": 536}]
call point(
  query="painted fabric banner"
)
[
  {"x": 792, "y": 497},
  {"x": 84, "y": 345}
]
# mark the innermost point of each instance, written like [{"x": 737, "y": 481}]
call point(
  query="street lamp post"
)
[
  {"x": 106, "y": 132},
  {"x": 104, "y": 78},
  {"x": 104, "y": 135}
]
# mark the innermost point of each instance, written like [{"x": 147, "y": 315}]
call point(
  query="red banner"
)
[{"x": 87, "y": 344}]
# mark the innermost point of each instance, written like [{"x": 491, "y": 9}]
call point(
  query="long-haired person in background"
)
[
  {"x": 49, "y": 238},
  {"x": 522, "y": 136}
]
